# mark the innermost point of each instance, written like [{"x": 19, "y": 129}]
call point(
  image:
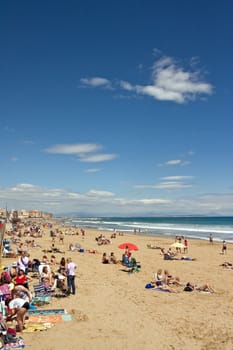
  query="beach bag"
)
[{"x": 148, "y": 286}]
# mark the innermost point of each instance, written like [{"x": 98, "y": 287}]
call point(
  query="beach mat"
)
[
  {"x": 49, "y": 318},
  {"x": 37, "y": 327},
  {"x": 45, "y": 312}
]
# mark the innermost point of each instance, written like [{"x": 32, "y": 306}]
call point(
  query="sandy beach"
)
[{"x": 113, "y": 308}]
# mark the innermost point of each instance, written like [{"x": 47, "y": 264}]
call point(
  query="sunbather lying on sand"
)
[
  {"x": 185, "y": 257},
  {"x": 227, "y": 265},
  {"x": 190, "y": 287}
]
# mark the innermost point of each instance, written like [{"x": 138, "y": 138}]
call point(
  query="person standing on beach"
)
[
  {"x": 71, "y": 267},
  {"x": 211, "y": 238},
  {"x": 224, "y": 247},
  {"x": 186, "y": 246}
]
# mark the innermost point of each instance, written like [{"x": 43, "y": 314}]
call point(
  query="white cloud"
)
[
  {"x": 96, "y": 158},
  {"x": 97, "y": 193},
  {"x": 55, "y": 200},
  {"x": 79, "y": 148},
  {"x": 177, "y": 177},
  {"x": 174, "y": 162},
  {"x": 126, "y": 86},
  {"x": 170, "y": 81},
  {"x": 96, "y": 82},
  {"x": 173, "y": 185},
  {"x": 169, "y": 185},
  {"x": 84, "y": 151},
  {"x": 92, "y": 170}
]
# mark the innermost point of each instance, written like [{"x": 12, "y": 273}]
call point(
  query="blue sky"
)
[{"x": 117, "y": 108}]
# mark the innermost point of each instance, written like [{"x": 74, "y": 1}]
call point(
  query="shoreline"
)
[{"x": 221, "y": 230}]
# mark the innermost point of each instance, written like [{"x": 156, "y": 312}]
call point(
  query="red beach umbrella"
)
[{"x": 131, "y": 246}]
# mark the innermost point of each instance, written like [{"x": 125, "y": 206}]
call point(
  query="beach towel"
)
[
  {"x": 162, "y": 290},
  {"x": 47, "y": 312}
]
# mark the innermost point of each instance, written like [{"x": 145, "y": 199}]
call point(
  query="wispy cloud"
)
[
  {"x": 96, "y": 82},
  {"x": 80, "y": 148},
  {"x": 173, "y": 162},
  {"x": 92, "y": 170},
  {"x": 97, "y": 193},
  {"x": 96, "y": 158},
  {"x": 177, "y": 178},
  {"x": 173, "y": 185},
  {"x": 169, "y": 185},
  {"x": 8, "y": 129},
  {"x": 14, "y": 159},
  {"x": 86, "y": 152}
]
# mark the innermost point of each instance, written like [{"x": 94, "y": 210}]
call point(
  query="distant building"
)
[{"x": 24, "y": 214}]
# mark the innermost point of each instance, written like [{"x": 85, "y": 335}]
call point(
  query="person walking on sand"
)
[
  {"x": 224, "y": 247},
  {"x": 71, "y": 267}
]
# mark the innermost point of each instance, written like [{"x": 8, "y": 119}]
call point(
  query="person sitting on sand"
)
[
  {"x": 113, "y": 259},
  {"x": 22, "y": 278},
  {"x": 158, "y": 278},
  {"x": 105, "y": 259},
  {"x": 160, "y": 283},
  {"x": 62, "y": 268},
  {"x": 44, "y": 259},
  {"x": 169, "y": 279},
  {"x": 46, "y": 276},
  {"x": 190, "y": 287},
  {"x": 56, "y": 250},
  {"x": 53, "y": 260},
  {"x": 167, "y": 255}
]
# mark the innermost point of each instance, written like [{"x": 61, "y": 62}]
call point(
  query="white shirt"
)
[
  {"x": 71, "y": 269},
  {"x": 23, "y": 263}
]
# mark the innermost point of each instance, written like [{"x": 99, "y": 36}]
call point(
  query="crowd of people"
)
[
  {"x": 18, "y": 279},
  {"x": 60, "y": 273}
]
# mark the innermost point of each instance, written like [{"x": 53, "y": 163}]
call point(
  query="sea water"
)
[{"x": 191, "y": 227}]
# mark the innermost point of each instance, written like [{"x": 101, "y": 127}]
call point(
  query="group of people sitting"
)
[
  {"x": 127, "y": 260},
  {"x": 165, "y": 281},
  {"x": 110, "y": 259},
  {"x": 170, "y": 255},
  {"x": 101, "y": 239}
]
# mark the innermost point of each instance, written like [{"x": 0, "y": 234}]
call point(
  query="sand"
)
[{"x": 114, "y": 309}]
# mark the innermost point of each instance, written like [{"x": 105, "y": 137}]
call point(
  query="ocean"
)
[{"x": 190, "y": 227}]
